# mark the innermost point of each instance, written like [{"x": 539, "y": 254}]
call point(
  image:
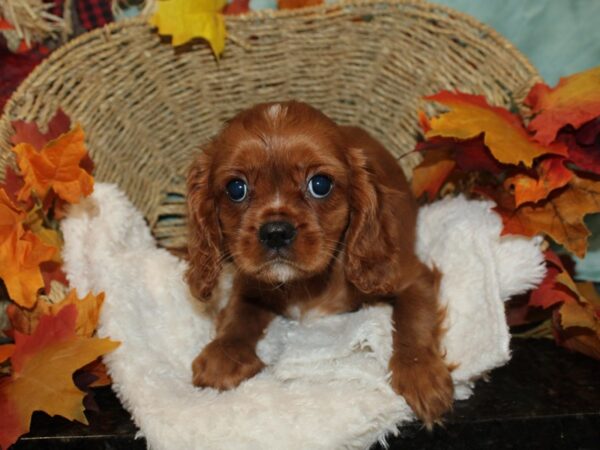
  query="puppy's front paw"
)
[
  {"x": 426, "y": 385},
  {"x": 225, "y": 364}
]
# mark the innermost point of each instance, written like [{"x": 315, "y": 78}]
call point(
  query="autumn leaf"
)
[
  {"x": 28, "y": 132},
  {"x": 42, "y": 379},
  {"x": 99, "y": 372},
  {"x": 553, "y": 290},
  {"x": 429, "y": 176},
  {"x": 52, "y": 272},
  {"x": 560, "y": 216},
  {"x": 185, "y": 20},
  {"x": 12, "y": 184},
  {"x": 21, "y": 253},
  {"x": 583, "y": 145},
  {"x": 472, "y": 155},
  {"x": 423, "y": 121},
  {"x": 5, "y": 24},
  {"x": 579, "y": 340},
  {"x": 578, "y": 326},
  {"x": 56, "y": 167},
  {"x": 6, "y": 351},
  {"x": 237, "y": 7},
  {"x": 295, "y": 4},
  {"x": 20, "y": 260},
  {"x": 551, "y": 175},
  {"x": 574, "y": 101},
  {"x": 504, "y": 134},
  {"x": 51, "y": 237},
  {"x": 88, "y": 311},
  {"x": 11, "y": 218}
]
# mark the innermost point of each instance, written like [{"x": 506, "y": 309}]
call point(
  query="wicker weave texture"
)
[{"x": 146, "y": 107}]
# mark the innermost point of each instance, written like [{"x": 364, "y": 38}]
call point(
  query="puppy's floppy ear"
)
[
  {"x": 380, "y": 239},
  {"x": 204, "y": 240}
]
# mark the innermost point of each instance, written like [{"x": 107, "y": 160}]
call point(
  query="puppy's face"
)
[{"x": 280, "y": 181}]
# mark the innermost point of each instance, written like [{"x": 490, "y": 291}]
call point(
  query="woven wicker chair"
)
[{"x": 146, "y": 107}]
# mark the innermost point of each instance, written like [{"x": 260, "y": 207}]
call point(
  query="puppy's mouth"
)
[{"x": 280, "y": 269}]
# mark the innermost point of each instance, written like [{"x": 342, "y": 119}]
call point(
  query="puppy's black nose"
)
[{"x": 275, "y": 235}]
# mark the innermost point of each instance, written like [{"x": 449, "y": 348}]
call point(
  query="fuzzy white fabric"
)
[{"x": 325, "y": 385}]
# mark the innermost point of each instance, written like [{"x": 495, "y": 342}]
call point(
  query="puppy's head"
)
[
  {"x": 270, "y": 193},
  {"x": 278, "y": 192}
]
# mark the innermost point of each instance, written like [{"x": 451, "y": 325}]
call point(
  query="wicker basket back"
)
[{"x": 146, "y": 108}]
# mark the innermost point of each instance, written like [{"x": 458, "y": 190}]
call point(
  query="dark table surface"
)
[{"x": 545, "y": 398}]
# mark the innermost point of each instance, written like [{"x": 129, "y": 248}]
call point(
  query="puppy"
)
[{"x": 318, "y": 218}]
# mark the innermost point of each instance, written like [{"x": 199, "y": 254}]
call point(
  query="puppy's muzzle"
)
[{"x": 277, "y": 235}]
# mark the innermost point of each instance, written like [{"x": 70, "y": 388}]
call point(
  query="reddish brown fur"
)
[{"x": 352, "y": 248}]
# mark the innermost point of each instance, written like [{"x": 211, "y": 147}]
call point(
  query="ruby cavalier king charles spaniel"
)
[{"x": 315, "y": 218}]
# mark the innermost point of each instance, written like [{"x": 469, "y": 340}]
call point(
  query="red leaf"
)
[
  {"x": 30, "y": 133},
  {"x": 237, "y": 7},
  {"x": 575, "y": 100},
  {"x": 13, "y": 183},
  {"x": 473, "y": 155},
  {"x": 551, "y": 291},
  {"x": 5, "y": 24},
  {"x": 584, "y": 145},
  {"x": 52, "y": 271}
]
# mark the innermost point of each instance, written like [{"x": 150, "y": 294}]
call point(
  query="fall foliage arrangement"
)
[
  {"x": 52, "y": 327},
  {"x": 540, "y": 166},
  {"x": 542, "y": 169}
]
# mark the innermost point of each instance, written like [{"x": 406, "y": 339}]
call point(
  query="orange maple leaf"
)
[
  {"x": 21, "y": 253},
  {"x": 43, "y": 366},
  {"x": 6, "y": 351},
  {"x": 504, "y": 134},
  {"x": 560, "y": 216},
  {"x": 56, "y": 167},
  {"x": 88, "y": 311},
  {"x": 429, "y": 176},
  {"x": 575, "y": 100},
  {"x": 11, "y": 217},
  {"x": 580, "y": 321},
  {"x": 552, "y": 174}
]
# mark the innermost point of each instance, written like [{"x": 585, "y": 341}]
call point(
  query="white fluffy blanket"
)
[{"x": 325, "y": 385}]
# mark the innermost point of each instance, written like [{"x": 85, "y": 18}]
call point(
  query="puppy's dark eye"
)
[
  {"x": 237, "y": 190},
  {"x": 320, "y": 186}
]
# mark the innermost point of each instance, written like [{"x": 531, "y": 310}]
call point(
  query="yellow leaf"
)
[
  {"x": 185, "y": 20},
  {"x": 504, "y": 134}
]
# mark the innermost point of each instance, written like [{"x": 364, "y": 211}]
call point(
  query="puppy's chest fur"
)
[{"x": 325, "y": 294}]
